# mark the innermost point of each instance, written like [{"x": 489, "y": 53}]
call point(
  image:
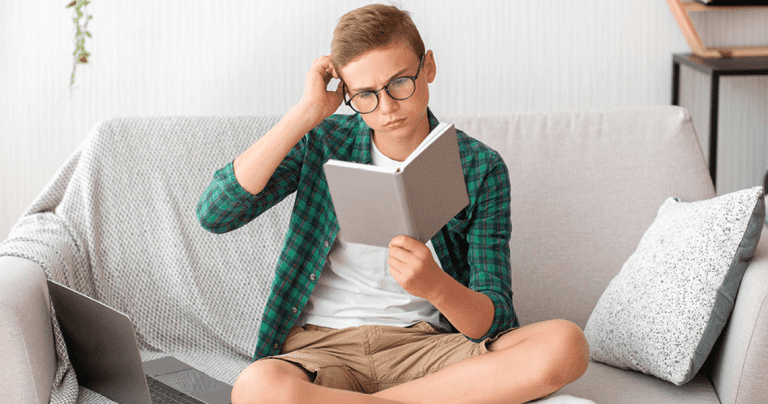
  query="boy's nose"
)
[{"x": 387, "y": 103}]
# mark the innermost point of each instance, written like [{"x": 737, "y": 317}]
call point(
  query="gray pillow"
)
[{"x": 665, "y": 309}]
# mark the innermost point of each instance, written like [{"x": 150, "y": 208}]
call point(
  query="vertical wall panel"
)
[
  {"x": 7, "y": 197},
  {"x": 743, "y": 133},
  {"x": 743, "y": 113},
  {"x": 196, "y": 57},
  {"x": 695, "y": 88}
]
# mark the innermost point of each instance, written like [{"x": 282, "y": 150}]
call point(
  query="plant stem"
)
[{"x": 80, "y": 55}]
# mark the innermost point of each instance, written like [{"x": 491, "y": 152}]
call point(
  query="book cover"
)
[{"x": 417, "y": 198}]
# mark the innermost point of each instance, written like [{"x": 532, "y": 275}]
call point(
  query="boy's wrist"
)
[
  {"x": 306, "y": 115},
  {"x": 442, "y": 289},
  {"x": 469, "y": 311}
]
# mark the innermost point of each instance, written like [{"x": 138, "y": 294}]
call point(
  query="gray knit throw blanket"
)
[{"x": 117, "y": 222}]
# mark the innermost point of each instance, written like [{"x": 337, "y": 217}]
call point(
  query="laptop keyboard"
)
[{"x": 163, "y": 394}]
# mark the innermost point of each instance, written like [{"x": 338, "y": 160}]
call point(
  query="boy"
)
[{"x": 412, "y": 323}]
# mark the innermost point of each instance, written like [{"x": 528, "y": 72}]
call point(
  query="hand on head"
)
[{"x": 320, "y": 102}]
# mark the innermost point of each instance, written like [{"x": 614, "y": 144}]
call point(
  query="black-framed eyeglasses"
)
[{"x": 400, "y": 88}]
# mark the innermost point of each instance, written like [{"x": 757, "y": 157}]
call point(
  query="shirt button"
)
[
  {"x": 326, "y": 243},
  {"x": 276, "y": 346},
  {"x": 294, "y": 310},
  {"x": 312, "y": 277}
]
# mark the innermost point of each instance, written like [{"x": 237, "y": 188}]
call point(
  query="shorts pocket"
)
[{"x": 425, "y": 327}]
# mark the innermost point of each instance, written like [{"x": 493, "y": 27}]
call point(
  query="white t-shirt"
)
[{"x": 356, "y": 288}]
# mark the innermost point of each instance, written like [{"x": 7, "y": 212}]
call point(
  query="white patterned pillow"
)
[{"x": 665, "y": 309}]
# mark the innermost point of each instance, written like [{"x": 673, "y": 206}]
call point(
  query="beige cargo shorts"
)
[{"x": 371, "y": 358}]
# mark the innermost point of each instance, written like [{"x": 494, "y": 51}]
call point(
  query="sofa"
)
[{"x": 117, "y": 222}]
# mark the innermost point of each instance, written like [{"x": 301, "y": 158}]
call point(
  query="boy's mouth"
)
[{"x": 394, "y": 124}]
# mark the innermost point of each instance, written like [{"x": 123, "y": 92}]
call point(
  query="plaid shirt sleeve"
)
[
  {"x": 226, "y": 205},
  {"x": 475, "y": 243},
  {"x": 488, "y": 254}
]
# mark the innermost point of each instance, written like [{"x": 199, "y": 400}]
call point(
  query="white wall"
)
[
  {"x": 5, "y": 27},
  {"x": 196, "y": 57}
]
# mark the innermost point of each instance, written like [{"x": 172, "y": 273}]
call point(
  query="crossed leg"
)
[{"x": 531, "y": 362}]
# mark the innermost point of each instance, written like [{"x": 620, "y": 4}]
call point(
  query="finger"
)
[
  {"x": 404, "y": 242},
  {"x": 322, "y": 66},
  {"x": 396, "y": 241},
  {"x": 338, "y": 94},
  {"x": 327, "y": 76},
  {"x": 332, "y": 69},
  {"x": 324, "y": 62},
  {"x": 397, "y": 268},
  {"x": 399, "y": 254},
  {"x": 394, "y": 266}
]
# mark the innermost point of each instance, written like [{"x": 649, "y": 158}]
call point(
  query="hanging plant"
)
[{"x": 81, "y": 17}]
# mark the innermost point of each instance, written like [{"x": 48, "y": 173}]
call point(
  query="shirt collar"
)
[{"x": 362, "y": 150}]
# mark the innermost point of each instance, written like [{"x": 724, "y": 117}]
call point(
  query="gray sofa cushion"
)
[{"x": 606, "y": 384}]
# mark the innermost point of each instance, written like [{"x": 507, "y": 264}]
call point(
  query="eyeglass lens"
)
[{"x": 399, "y": 89}]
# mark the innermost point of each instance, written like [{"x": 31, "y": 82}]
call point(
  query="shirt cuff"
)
[
  {"x": 504, "y": 317},
  {"x": 225, "y": 177}
]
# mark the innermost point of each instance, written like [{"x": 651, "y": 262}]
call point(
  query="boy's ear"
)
[{"x": 430, "y": 68}]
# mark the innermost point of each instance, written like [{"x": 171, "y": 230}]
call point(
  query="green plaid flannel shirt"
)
[{"x": 473, "y": 247}]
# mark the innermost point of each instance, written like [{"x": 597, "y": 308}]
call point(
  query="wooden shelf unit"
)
[{"x": 681, "y": 12}]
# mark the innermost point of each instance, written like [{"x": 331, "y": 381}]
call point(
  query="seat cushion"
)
[{"x": 606, "y": 384}]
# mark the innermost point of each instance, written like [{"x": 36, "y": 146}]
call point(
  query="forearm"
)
[
  {"x": 255, "y": 166},
  {"x": 469, "y": 311}
]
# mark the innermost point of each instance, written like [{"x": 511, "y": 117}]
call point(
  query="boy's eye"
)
[
  {"x": 398, "y": 82},
  {"x": 366, "y": 95}
]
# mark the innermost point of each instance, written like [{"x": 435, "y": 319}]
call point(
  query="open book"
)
[{"x": 374, "y": 204}]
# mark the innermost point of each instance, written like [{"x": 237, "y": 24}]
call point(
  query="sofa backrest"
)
[{"x": 585, "y": 187}]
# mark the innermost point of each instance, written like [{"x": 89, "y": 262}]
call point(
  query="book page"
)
[
  {"x": 370, "y": 206},
  {"x": 437, "y": 132},
  {"x": 435, "y": 185}
]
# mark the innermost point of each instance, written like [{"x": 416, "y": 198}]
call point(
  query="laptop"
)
[{"x": 102, "y": 347}]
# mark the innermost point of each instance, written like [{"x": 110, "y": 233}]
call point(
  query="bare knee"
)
[
  {"x": 269, "y": 381},
  {"x": 568, "y": 354}
]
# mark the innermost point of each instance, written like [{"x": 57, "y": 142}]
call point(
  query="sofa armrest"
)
[
  {"x": 27, "y": 353},
  {"x": 740, "y": 360}
]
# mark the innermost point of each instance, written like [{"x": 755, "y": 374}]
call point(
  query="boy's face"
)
[{"x": 397, "y": 120}]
